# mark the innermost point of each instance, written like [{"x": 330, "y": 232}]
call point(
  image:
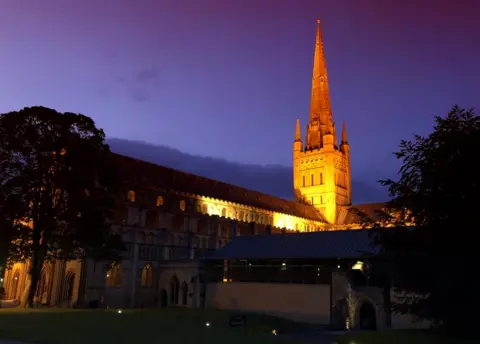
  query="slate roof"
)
[
  {"x": 151, "y": 176},
  {"x": 310, "y": 245}
]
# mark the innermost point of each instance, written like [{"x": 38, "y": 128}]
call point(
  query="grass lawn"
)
[
  {"x": 399, "y": 337},
  {"x": 166, "y": 326}
]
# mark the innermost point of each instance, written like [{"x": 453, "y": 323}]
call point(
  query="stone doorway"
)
[
  {"x": 15, "y": 282},
  {"x": 184, "y": 293},
  {"x": 163, "y": 298},
  {"x": 368, "y": 319},
  {"x": 174, "y": 291},
  {"x": 69, "y": 284}
]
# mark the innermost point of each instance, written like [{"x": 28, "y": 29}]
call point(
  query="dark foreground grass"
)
[
  {"x": 167, "y": 326},
  {"x": 399, "y": 337}
]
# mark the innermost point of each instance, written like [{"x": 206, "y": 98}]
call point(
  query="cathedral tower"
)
[{"x": 321, "y": 168}]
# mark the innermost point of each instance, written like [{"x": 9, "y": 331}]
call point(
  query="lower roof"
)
[{"x": 310, "y": 245}]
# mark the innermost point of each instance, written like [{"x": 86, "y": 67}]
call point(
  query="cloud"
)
[
  {"x": 140, "y": 85},
  {"x": 270, "y": 179},
  {"x": 139, "y": 94},
  {"x": 146, "y": 75}
]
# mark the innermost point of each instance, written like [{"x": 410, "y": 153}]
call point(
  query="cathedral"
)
[{"x": 172, "y": 221}]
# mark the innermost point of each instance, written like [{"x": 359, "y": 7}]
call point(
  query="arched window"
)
[
  {"x": 147, "y": 276},
  {"x": 131, "y": 196},
  {"x": 150, "y": 239},
  {"x": 183, "y": 205},
  {"x": 205, "y": 209},
  {"x": 114, "y": 276},
  {"x": 224, "y": 212},
  {"x": 241, "y": 216},
  {"x": 159, "y": 201}
]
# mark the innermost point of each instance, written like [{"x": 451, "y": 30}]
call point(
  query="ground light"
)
[
  {"x": 119, "y": 311},
  {"x": 274, "y": 332},
  {"x": 207, "y": 324}
]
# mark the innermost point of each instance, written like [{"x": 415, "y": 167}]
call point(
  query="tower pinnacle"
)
[
  {"x": 298, "y": 135},
  {"x": 344, "y": 134}
]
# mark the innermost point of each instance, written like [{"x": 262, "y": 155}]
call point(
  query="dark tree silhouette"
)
[
  {"x": 58, "y": 189},
  {"x": 432, "y": 246}
]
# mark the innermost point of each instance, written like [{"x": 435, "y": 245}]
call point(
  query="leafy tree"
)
[
  {"x": 431, "y": 248},
  {"x": 58, "y": 189}
]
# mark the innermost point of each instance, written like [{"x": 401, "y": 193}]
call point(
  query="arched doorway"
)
[
  {"x": 43, "y": 285},
  {"x": 15, "y": 282},
  {"x": 69, "y": 284},
  {"x": 368, "y": 319},
  {"x": 174, "y": 290},
  {"x": 184, "y": 293},
  {"x": 163, "y": 298}
]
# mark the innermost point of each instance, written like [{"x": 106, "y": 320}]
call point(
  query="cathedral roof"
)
[
  {"x": 308, "y": 245},
  {"x": 146, "y": 175}
]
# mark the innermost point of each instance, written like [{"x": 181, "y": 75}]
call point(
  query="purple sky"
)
[{"x": 228, "y": 78}]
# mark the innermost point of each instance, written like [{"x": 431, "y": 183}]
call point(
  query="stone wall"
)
[{"x": 299, "y": 302}]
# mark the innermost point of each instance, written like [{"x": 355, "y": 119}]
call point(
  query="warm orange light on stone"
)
[{"x": 321, "y": 168}]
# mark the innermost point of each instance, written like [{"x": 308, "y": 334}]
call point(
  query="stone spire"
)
[{"x": 320, "y": 108}]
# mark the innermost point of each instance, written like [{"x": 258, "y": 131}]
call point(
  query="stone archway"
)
[
  {"x": 42, "y": 292},
  {"x": 15, "y": 282},
  {"x": 163, "y": 298},
  {"x": 174, "y": 290},
  {"x": 69, "y": 284},
  {"x": 184, "y": 293},
  {"x": 368, "y": 318}
]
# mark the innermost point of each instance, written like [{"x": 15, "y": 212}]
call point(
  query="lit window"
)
[
  {"x": 159, "y": 201},
  {"x": 114, "y": 276},
  {"x": 131, "y": 196},
  {"x": 183, "y": 205},
  {"x": 147, "y": 276}
]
